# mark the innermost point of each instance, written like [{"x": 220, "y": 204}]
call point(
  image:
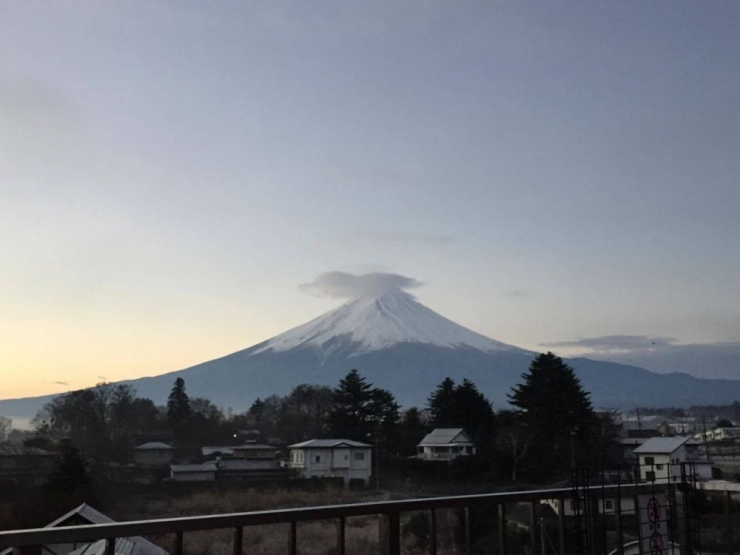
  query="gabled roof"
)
[
  {"x": 662, "y": 445},
  {"x": 446, "y": 436},
  {"x": 135, "y": 545},
  {"x": 327, "y": 444},
  {"x": 153, "y": 445},
  {"x": 205, "y": 467}
]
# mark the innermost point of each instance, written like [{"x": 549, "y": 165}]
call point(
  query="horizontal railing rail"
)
[{"x": 238, "y": 521}]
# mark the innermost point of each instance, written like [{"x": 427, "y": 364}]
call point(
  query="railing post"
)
[
  {"x": 468, "y": 532},
  {"x": 293, "y": 549},
  {"x": 341, "y": 537},
  {"x": 238, "y": 540},
  {"x": 27, "y": 550},
  {"x": 728, "y": 514},
  {"x": 433, "y": 533},
  {"x": 110, "y": 546},
  {"x": 534, "y": 528},
  {"x": 561, "y": 526},
  {"x": 178, "y": 543},
  {"x": 389, "y": 529},
  {"x": 502, "y": 529}
]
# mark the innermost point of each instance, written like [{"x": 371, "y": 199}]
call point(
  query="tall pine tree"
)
[
  {"x": 556, "y": 411},
  {"x": 178, "y": 411}
]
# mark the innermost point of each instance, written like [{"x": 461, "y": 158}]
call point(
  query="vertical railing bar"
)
[
  {"x": 293, "y": 537},
  {"x": 502, "y": 528},
  {"x": 110, "y": 546},
  {"x": 561, "y": 526},
  {"x": 238, "y": 540},
  {"x": 728, "y": 513},
  {"x": 468, "y": 532},
  {"x": 618, "y": 513},
  {"x": 394, "y": 533},
  {"x": 178, "y": 543},
  {"x": 341, "y": 537},
  {"x": 533, "y": 528},
  {"x": 433, "y": 534}
]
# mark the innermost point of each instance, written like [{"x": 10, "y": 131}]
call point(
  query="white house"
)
[
  {"x": 445, "y": 444},
  {"x": 320, "y": 458},
  {"x": 660, "y": 458}
]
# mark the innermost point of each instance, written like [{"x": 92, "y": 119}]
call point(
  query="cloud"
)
[
  {"x": 662, "y": 354},
  {"x": 343, "y": 285},
  {"x": 612, "y": 343}
]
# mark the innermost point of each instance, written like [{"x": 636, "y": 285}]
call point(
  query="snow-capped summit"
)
[{"x": 374, "y": 322}]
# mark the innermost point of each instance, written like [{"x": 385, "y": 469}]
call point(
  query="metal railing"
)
[{"x": 29, "y": 541}]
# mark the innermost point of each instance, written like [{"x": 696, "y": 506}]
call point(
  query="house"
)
[
  {"x": 25, "y": 466},
  {"x": 605, "y": 506},
  {"x": 641, "y": 426},
  {"x": 660, "y": 458},
  {"x": 205, "y": 472},
  {"x": 254, "y": 451},
  {"x": 445, "y": 444},
  {"x": 319, "y": 458},
  {"x": 83, "y": 515},
  {"x": 154, "y": 453}
]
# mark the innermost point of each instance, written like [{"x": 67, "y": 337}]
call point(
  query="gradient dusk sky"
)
[{"x": 559, "y": 174}]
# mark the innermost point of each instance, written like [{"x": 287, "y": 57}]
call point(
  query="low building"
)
[
  {"x": 205, "y": 472},
  {"x": 25, "y": 466},
  {"x": 84, "y": 515},
  {"x": 445, "y": 444},
  {"x": 154, "y": 453},
  {"x": 254, "y": 451},
  {"x": 660, "y": 459},
  {"x": 343, "y": 458}
]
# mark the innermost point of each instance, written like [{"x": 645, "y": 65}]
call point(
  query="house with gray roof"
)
[
  {"x": 83, "y": 515},
  {"x": 320, "y": 458},
  {"x": 445, "y": 444}
]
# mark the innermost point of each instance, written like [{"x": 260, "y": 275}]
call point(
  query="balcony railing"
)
[{"x": 28, "y": 542}]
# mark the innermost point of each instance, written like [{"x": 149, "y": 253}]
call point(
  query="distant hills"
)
[{"x": 403, "y": 346}]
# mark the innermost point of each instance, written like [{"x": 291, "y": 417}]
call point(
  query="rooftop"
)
[
  {"x": 328, "y": 444},
  {"x": 664, "y": 445}
]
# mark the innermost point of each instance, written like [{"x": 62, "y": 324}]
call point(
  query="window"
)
[
  {"x": 649, "y": 460},
  {"x": 609, "y": 504},
  {"x": 650, "y": 476},
  {"x": 346, "y": 457},
  {"x": 317, "y": 458},
  {"x": 359, "y": 456},
  {"x": 658, "y": 467}
]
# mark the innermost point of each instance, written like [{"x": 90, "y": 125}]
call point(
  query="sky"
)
[{"x": 559, "y": 175}]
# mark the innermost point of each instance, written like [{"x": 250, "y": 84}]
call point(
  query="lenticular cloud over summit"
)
[{"x": 343, "y": 285}]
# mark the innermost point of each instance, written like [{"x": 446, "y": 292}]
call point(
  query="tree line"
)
[{"x": 550, "y": 414}]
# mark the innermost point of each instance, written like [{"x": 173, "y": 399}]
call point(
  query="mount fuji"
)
[{"x": 399, "y": 344}]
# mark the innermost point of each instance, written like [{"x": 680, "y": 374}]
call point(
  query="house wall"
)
[
  {"x": 153, "y": 457},
  {"x": 193, "y": 476},
  {"x": 348, "y": 464}
]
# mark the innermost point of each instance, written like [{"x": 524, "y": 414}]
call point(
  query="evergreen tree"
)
[
  {"x": 350, "y": 413},
  {"x": 70, "y": 484},
  {"x": 412, "y": 430},
  {"x": 178, "y": 410},
  {"x": 441, "y": 405},
  {"x": 556, "y": 411}
]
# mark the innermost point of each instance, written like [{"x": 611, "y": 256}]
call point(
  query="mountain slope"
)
[{"x": 401, "y": 345}]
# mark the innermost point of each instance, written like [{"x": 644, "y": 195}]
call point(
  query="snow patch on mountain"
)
[{"x": 377, "y": 322}]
